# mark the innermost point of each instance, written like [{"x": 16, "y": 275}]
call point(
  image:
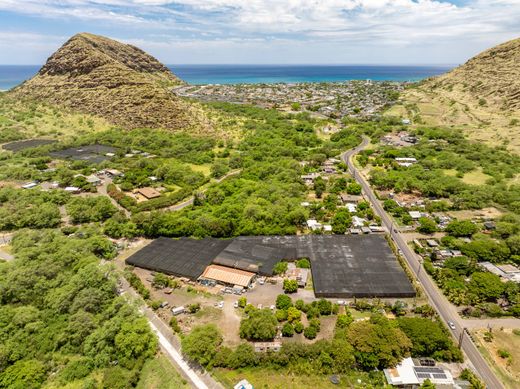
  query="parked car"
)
[{"x": 235, "y": 304}]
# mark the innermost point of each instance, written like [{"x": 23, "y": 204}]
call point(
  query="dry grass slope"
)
[
  {"x": 119, "y": 82},
  {"x": 482, "y": 96}
]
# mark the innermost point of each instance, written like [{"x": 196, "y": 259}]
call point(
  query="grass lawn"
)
[
  {"x": 262, "y": 378},
  {"x": 204, "y": 169},
  {"x": 159, "y": 373},
  {"x": 475, "y": 177},
  {"x": 507, "y": 369}
]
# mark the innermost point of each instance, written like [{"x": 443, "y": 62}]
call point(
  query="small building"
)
[
  {"x": 358, "y": 221},
  {"x": 509, "y": 269},
  {"x": 348, "y": 198},
  {"x": 489, "y": 225},
  {"x": 355, "y": 231},
  {"x": 309, "y": 178},
  {"x": 351, "y": 207},
  {"x": 415, "y": 215},
  {"x": 94, "y": 180},
  {"x": 432, "y": 243},
  {"x": 407, "y": 375},
  {"x": 113, "y": 173},
  {"x": 366, "y": 230},
  {"x": 72, "y": 189},
  {"x": 149, "y": 193},
  {"x": 327, "y": 228},
  {"x": 228, "y": 276},
  {"x": 300, "y": 275},
  {"x": 267, "y": 346},
  {"x": 376, "y": 228}
]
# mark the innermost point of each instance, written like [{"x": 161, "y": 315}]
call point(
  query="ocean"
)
[{"x": 12, "y": 75}]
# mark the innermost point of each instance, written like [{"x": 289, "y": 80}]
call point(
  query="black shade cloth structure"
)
[
  {"x": 342, "y": 266},
  {"x": 27, "y": 144},
  {"x": 88, "y": 153},
  {"x": 183, "y": 257}
]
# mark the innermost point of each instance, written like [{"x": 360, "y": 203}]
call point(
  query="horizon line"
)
[{"x": 279, "y": 64}]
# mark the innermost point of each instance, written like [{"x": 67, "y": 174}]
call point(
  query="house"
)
[
  {"x": 327, "y": 228},
  {"x": 94, "y": 180},
  {"x": 298, "y": 274},
  {"x": 149, "y": 193},
  {"x": 432, "y": 243},
  {"x": 355, "y": 231},
  {"x": 113, "y": 173},
  {"x": 228, "y": 276},
  {"x": 415, "y": 215},
  {"x": 244, "y": 384},
  {"x": 348, "y": 198},
  {"x": 406, "y": 162},
  {"x": 352, "y": 208},
  {"x": 309, "y": 178},
  {"x": 376, "y": 228},
  {"x": 408, "y": 375},
  {"x": 267, "y": 346}
]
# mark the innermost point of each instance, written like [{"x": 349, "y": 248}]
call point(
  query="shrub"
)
[
  {"x": 303, "y": 263},
  {"x": 287, "y": 330},
  {"x": 283, "y": 301},
  {"x": 290, "y": 286},
  {"x": 298, "y": 327},
  {"x": 280, "y": 267},
  {"x": 194, "y": 308},
  {"x": 310, "y": 332},
  {"x": 174, "y": 324}
]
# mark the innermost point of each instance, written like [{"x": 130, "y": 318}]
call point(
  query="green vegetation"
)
[
  {"x": 62, "y": 321},
  {"x": 21, "y": 208},
  {"x": 159, "y": 373}
]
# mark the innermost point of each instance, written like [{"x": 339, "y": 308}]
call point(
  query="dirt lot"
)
[
  {"x": 508, "y": 369},
  {"x": 486, "y": 213}
]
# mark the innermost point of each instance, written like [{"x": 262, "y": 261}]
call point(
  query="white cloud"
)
[{"x": 252, "y": 25}]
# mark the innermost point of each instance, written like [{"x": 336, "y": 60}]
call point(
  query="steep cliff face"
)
[
  {"x": 119, "y": 82},
  {"x": 491, "y": 78}
]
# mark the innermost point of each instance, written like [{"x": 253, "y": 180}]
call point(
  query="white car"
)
[
  {"x": 221, "y": 304},
  {"x": 451, "y": 325},
  {"x": 235, "y": 304}
]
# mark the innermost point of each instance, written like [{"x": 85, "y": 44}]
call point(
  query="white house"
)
[{"x": 407, "y": 375}]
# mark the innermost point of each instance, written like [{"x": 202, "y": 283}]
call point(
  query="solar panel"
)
[{"x": 440, "y": 376}]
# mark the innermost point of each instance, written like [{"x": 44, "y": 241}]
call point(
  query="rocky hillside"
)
[
  {"x": 120, "y": 82},
  {"x": 491, "y": 79}
]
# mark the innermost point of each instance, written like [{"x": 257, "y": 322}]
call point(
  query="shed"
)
[
  {"x": 178, "y": 310},
  {"x": 415, "y": 215},
  {"x": 93, "y": 179},
  {"x": 149, "y": 193},
  {"x": 228, "y": 275}
]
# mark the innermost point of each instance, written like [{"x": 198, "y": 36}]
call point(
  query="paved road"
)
[
  {"x": 195, "y": 375},
  {"x": 446, "y": 310}
]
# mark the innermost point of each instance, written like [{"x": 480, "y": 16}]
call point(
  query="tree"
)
[
  {"x": 219, "y": 169},
  {"x": 290, "y": 286},
  {"x": 280, "y": 267},
  {"x": 460, "y": 228},
  {"x": 427, "y": 384},
  {"x": 354, "y": 188},
  {"x": 324, "y": 306},
  {"x": 201, "y": 343},
  {"x": 310, "y": 332},
  {"x": 429, "y": 339},
  {"x": 243, "y": 356},
  {"x": 134, "y": 341},
  {"x": 293, "y": 314},
  {"x": 298, "y": 327},
  {"x": 283, "y": 301},
  {"x": 377, "y": 343},
  {"x": 303, "y": 263},
  {"x": 427, "y": 225},
  {"x": 344, "y": 320},
  {"x": 287, "y": 330},
  {"x": 259, "y": 325},
  {"x": 160, "y": 280},
  {"x": 319, "y": 186},
  {"x": 486, "y": 285},
  {"x": 28, "y": 373},
  {"x": 242, "y": 302}
]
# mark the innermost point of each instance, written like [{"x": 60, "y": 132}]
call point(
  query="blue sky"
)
[{"x": 265, "y": 31}]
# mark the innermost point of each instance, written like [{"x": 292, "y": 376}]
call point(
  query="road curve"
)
[{"x": 445, "y": 309}]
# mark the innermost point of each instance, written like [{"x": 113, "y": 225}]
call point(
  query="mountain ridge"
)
[{"x": 119, "y": 82}]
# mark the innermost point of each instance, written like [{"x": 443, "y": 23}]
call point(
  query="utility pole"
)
[{"x": 461, "y": 337}]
